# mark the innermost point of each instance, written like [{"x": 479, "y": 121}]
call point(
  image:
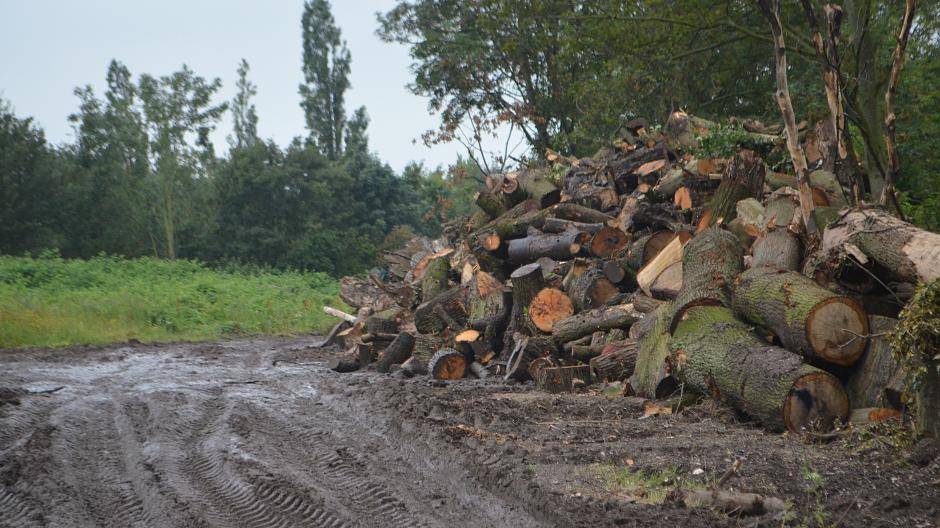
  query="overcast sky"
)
[{"x": 50, "y": 47}]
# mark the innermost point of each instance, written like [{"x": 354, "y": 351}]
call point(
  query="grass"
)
[
  {"x": 53, "y": 302},
  {"x": 642, "y": 486}
]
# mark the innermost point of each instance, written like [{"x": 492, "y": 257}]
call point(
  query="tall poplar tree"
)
[
  {"x": 244, "y": 116},
  {"x": 326, "y": 63}
]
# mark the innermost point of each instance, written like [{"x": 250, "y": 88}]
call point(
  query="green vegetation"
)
[
  {"x": 50, "y": 301},
  {"x": 645, "y": 487}
]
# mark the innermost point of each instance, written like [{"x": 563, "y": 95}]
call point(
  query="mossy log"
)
[
  {"x": 651, "y": 376},
  {"x": 435, "y": 279},
  {"x": 714, "y": 353},
  {"x": 808, "y": 319},
  {"x": 560, "y": 246},
  {"x": 384, "y": 322},
  {"x": 397, "y": 351},
  {"x": 453, "y": 303},
  {"x": 591, "y": 289},
  {"x": 743, "y": 178},
  {"x": 616, "y": 361},
  {"x": 493, "y": 202},
  {"x": 447, "y": 364},
  {"x": 592, "y": 197},
  {"x": 516, "y": 221},
  {"x": 779, "y": 249},
  {"x": 533, "y": 184},
  {"x": 588, "y": 322},
  {"x": 710, "y": 262}
]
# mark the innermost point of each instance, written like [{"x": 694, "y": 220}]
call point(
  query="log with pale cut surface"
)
[
  {"x": 670, "y": 255},
  {"x": 590, "y": 321},
  {"x": 669, "y": 283},
  {"x": 538, "y": 364},
  {"x": 447, "y": 364},
  {"x": 714, "y": 353},
  {"x": 808, "y": 319}
]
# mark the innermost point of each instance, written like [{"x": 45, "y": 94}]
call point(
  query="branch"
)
[{"x": 890, "y": 117}]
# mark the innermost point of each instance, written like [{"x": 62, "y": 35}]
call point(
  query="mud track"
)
[{"x": 259, "y": 434}]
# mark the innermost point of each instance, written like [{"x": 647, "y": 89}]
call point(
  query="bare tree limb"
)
[{"x": 894, "y": 165}]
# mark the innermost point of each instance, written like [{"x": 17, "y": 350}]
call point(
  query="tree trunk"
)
[
  {"x": 591, "y": 289},
  {"x": 533, "y": 184},
  {"x": 447, "y": 364},
  {"x": 905, "y": 252},
  {"x": 490, "y": 306},
  {"x": 563, "y": 379},
  {"x": 453, "y": 303},
  {"x": 710, "y": 262},
  {"x": 713, "y": 353},
  {"x": 385, "y": 322},
  {"x": 527, "y": 282},
  {"x": 435, "y": 279},
  {"x": 808, "y": 319},
  {"x": 561, "y": 246},
  {"x": 578, "y": 213},
  {"x": 616, "y": 362},
  {"x": 493, "y": 202},
  {"x": 779, "y": 249},
  {"x": 560, "y": 225},
  {"x": 397, "y": 351},
  {"x": 743, "y": 178},
  {"x": 586, "y": 323},
  {"x": 878, "y": 379}
]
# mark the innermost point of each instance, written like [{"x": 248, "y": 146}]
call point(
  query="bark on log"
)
[
  {"x": 731, "y": 502},
  {"x": 779, "y": 249},
  {"x": 645, "y": 304},
  {"x": 907, "y": 253},
  {"x": 710, "y": 262},
  {"x": 453, "y": 302},
  {"x": 397, "y": 351},
  {"x": 714, "y": 353},
  {"x": 447, "y": 364},
  {"x": 538, "y": 364},
  {"x": 527, "y": 282},
  {"x": 561, "y": 246},
  {"x": 490, "y": 306},
  {"x": 413, "y": 366},
  {"x": 385, "y": 322},
  {"x": 563, "y": 379},
  {"x": 560, "y": 225},
  {"x": 586, "y": 323},
  {"x": 578, "y": 213},
  {"x": 808, "y": 319},
  {"x": 333, "y": 337},
  {"x": 616, "y": 362},
  {"x": 651, "y": 377},
  {"x": 532, "y": 184},
  {"x": 493, "y": 202},
  {"x": 743, "y": 178},
  {"x": 527, "y": 349},
  {"x": 878, "y": 378},
  {"x": 591, "y": 289},
  {"x": 435, "y": 280}
]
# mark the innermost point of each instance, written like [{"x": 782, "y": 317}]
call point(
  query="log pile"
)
[{"x": 649, "y": 267}]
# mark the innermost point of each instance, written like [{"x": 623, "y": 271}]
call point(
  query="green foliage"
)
[
  {"x": 50, "y": 301},
  {"x": 915, "y": 341},
  {"x": 244, "y": 116}
]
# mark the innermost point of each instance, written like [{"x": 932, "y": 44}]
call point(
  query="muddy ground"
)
[{"x": 259, "y": 433}]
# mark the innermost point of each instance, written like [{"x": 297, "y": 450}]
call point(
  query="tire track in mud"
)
[
  {"x": 234, "y": 499},
  {"x": 15, "y": 513}
]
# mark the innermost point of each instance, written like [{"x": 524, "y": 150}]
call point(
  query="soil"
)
[{"x": 259, "y": 433}]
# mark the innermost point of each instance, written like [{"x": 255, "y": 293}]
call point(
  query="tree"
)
[
  {"x": 357, "y": 138},
  {"x": 179, "y": 117},
  {"x": 244, "y": 117},
  {"x": 326, "y": 64}
]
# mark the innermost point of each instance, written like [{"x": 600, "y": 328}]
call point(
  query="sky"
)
[{"x": 50, "y": 47}]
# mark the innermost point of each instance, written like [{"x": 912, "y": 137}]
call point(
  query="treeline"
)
[
  {"x": 143, "y": 178},
  {"x": 565, "y": 75}
]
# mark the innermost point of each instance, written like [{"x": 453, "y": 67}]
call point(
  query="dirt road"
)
[{"x": 259, "y": 434}]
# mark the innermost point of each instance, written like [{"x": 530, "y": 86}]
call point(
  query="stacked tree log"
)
[{"x": 647, "y": 266}]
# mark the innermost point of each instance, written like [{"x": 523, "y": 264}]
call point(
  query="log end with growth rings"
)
[
  {"x": 447, "y": 364},
  {"x": 837, "y": 329},
  {"x": 816, "y": 402},
  {"x": 550, "y": 305}
]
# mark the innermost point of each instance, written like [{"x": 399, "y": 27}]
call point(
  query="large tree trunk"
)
[
  {"x": 878, "y": 379},
  {"x": 714, "y": 353},
  {"x": 397, "y": 351},
  {"x": 808, "y": 319},
  {"x": 586, "y": 323},
  {"x": 710, "y": 262},
  {"x": 906, "y": 253}
]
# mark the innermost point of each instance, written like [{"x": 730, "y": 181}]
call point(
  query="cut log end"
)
[
  {"x": 550, "y": 305},
  {"x": 837, "y": 329},
  {"x": 815, "y": 403},
  {"x": 608, "y": 240},
  {"x": 447, "y": 364},
  {"x": 491, "y": 242}
]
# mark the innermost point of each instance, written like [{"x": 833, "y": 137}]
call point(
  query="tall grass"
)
[{"x": 52, "y": 302}]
